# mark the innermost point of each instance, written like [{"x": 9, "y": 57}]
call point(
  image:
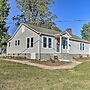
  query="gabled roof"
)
[
  {"x": 44, "y": 30},
  {"x": 38, "y": 30},
  {"x": 65, "y": 32},
  {"x": 75, "y": 38}
]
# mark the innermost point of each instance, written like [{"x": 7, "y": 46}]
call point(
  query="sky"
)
[{"x": 64, "y": 10}]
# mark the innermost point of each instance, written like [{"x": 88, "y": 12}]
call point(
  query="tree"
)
[
  {"x": 35, "y": 12},
  {"x": 85, "y": 32},
  {"x": 4, "y": 12}
]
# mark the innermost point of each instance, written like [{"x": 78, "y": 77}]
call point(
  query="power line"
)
[
  {"x": 73, "y": 21},
  {"x": 55, "y": 21}
]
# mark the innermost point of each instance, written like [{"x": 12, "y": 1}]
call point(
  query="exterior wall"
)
[
  {"x": 41, "y": 52},
  {"x": 22, "y": 34},
  {"x": 48, "y": 50},
  {"x": 75, "y": 48}
]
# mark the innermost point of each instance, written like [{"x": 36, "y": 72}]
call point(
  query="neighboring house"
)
[{"x": 41, "y": 43}]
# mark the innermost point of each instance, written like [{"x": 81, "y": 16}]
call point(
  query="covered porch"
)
[{"x": 63, "y": 44}]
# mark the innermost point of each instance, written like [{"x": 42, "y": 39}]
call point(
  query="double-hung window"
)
[
  {"x": 28, "y": 42},
  {"x": 82, "y": 46},
  {"x": 44, "y": 42},
  {"x": 18, "y": 42},
  {"x": 15, "y": 42},
  {"x": 49, "y": 42},
  {"x": 31, "y": 42},
  {"x": 9, "y": 44}
]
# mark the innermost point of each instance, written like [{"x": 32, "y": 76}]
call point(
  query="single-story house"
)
[{"x": 41, "y": 43}]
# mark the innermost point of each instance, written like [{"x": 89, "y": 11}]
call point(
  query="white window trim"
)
[
  {"x": 17, "y": 42},
  {"x": 82, "y": 43},
  {"x": 33, "y": 42},
  {"x": 26, "y": 42},
  {"x": 9, "y": 44},
  {"x": 42, "y": 42},
  {"x": 51, "y": 42},
  {"x": 84, "y": 46},
  {"x": 30, "y": 42},
  {"x": 14, "y": 43},
  {"x": 47, "y": 47}
]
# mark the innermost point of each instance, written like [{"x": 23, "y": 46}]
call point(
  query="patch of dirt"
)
[
  {"x": 82, "y": 59},
  {"x": 50, "y": 63}
]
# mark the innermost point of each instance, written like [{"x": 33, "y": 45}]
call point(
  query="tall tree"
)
[
  {"x": 4, "y": 12},
  {"x": 35, "y": 12},
  {"x": 85, "y": 32}
]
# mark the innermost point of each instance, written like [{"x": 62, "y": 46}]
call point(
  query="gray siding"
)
[
  {"x": 22, "y": 34},
  {"x": 48, "y": 50},
  {"x": 75, "y": 48}
]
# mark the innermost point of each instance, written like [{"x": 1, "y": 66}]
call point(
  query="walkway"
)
[{"x": 69, "y": 66}]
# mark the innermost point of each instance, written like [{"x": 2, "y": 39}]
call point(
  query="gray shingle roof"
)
[
  {"x": 76, "y": 38},
  {"x": 44, "y": 30}
]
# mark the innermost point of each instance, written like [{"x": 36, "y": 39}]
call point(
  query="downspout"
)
[{"x": 39, "y": 56}]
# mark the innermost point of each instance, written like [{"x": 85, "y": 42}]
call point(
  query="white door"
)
[{"x": 33, "y": 56}]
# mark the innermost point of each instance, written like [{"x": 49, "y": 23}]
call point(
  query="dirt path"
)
[{"x": 69, "y": 66}]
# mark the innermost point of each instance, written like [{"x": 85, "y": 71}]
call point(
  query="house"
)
[{"x": 40, "y": 43}]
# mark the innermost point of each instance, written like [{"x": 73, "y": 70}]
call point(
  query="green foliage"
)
[
  {"x": 36, "y": 12},
  {"x": 85, "y": 32},
  {"x": 4, "y": 12}
]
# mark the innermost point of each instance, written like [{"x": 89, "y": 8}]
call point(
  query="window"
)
[
  {"x": 32, "y": 42},
  {"x": 44, "y": 42},
  {"x": 18, "y": 42},
  {"x": 82, "y": 46},
  {"x": 9, "y": 44},
  {"x": 49, "y": 42},
  {"x": 28, "y": 42},
  {"x": 64, "y": 43},
  {"x": 15, "y": 42}
]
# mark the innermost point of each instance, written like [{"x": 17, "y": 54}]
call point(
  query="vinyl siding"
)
[
  {"x": 47, "y": 49},
  {"x": 75, "y": 48},
  {"x": 22, "y": 34}
]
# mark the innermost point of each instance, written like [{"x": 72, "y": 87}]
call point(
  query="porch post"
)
[
  {"x": 68, "y": 42},
  {"x": 60, "y": 44}
]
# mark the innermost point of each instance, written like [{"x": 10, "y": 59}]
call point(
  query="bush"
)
[{"x": 55, "y": 57}]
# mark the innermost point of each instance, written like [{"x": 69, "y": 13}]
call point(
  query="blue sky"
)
[{"x": 65, "y": 10}]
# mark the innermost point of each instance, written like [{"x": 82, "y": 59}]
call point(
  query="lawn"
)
[{"x": 15, "y": 76}]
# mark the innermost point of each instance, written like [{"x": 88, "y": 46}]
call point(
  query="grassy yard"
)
[{"x": 15, "y": 76}]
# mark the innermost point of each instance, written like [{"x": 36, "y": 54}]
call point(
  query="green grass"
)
[{"x": 15, "y": 76}]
